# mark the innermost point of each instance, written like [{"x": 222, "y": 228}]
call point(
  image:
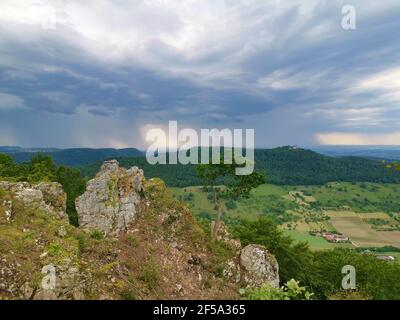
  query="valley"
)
[{"x": 366, "y": 213}]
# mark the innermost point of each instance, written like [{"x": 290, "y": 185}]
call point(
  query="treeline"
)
[
  {"x": 42, "y": 168},
  {"x": 72, "y": 157},
  {"x": 283, "y": 166}
]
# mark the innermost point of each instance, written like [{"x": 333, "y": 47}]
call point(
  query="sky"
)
[{"x": 100, "y": 73}]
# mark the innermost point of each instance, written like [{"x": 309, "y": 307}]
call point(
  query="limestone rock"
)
[
  {"x": 47, "y": 196},
  {"x": 69, "y": 282},
  {"x": 54, "y": 196},
  {"x": 7, "y": 210},
  {"x": 232, "y": 270},
  {"x": 62, "y": 232},
  {"x": 253, "y": 265},
  {"x": 111, "y": 200},
  {"x": 258, "y": 266}
]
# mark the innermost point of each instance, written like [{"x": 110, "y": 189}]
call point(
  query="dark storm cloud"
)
[{"x": 215, "y": 63}]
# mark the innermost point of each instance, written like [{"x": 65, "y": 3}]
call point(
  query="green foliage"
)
[
  {"x": 349, "y": 295},
  {"x": 295, "y": 259},
  {"x": 285, "y": 166},
  {"x": 379, "y": 249},
  {"x": 222, "y": 252},
  {"x": 74, "y": 186},
  {"x": 54, "y": 249},
  {"x": 78, "y": 156},
  {"x": 231, "y": 204},
  {"x": 189, "y": 197},
  {"x": 320, "y": 271},
  {"x": 371, "y": 198},
  {"x": 236, "y": 185},
  {"x": 7, "y": 166},
  {"x": 133, "y": 241},
  {"x": 97, "y": 235},
  {"x": 41, "y": 168},
  {"x": 290, "y": 291},
  {"x": 83, "y": 242},
  {"x": 129, "y": 293},
  {"x": 150, "y": 276},
  {"x": 377, "y": 279}
]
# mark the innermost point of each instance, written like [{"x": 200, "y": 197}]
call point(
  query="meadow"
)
[{"x": 368, "y": 213}]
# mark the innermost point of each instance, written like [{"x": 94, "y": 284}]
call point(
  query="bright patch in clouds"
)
[
  {"x": 386, "y": 82},
  {"x": 345, "y": 138}
]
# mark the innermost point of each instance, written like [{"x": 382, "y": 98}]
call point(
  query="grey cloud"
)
[
  {"x": 102, "y": 111},
  {"x": 225, "y": 63}
]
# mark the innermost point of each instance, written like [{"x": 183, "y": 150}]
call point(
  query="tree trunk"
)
[{"x": 214, "y": 231}]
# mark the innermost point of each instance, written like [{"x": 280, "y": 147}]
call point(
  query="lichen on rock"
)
[
  {"x": 111, "y": 200},
  {"x": 47, "y": 196},
  {"x": 258, "y": 266},
  {"x": 252, "y": 266}
]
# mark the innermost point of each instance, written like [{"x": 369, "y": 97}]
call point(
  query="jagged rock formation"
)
[
  {"x": 48, "y": 196},
  {"x": 111, "y": 199}
]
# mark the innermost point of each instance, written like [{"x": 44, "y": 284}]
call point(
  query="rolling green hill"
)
[
  {"x": 284, "y": 166},
  {"x": 76, "y": 156}
]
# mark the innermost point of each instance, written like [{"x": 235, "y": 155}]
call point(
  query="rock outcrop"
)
[
  {"x": 111, "y": 200},
  {"x": 156, "y": 250},
  {"x": 258, "y": 266},
  {"x": 252, "y": 266},
  {"x": 48, "y": 196}
]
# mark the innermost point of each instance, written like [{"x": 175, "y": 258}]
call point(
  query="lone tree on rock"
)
[{"x": 223, "y": 181}]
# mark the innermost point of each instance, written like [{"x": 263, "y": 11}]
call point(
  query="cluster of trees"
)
[
  {"x": 42, "y": 168},
  {"x": 284, "y": 165},
  {"x": 320, "y": 271}
]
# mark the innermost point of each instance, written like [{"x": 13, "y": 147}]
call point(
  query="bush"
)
[
  {"x": 133, "y": 241},
  {"x": 97, "y": 235},
  {"x": 129, "y": 294},
  {"x": 150, "y": 276},
  {"x": 231, "y": 205},
  {"x": 290, "y": 291}
]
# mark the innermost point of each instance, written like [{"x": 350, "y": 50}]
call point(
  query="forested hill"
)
[
  {"x": 71, "y": 157},
  {"x": 284, "y": 165}
]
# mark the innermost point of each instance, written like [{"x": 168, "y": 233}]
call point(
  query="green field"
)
[
  {"x": 349, "y": 208},
  {"x": 361, "y": 197},
  {"x": 316, "y": 243},
  {"x": 266, "y": 199}
]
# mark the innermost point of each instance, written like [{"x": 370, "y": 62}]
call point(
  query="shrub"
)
[
  {"x": 231, "y": 205},
  {"x": 53, "y": 249},
  {"x": 97, "y": 235},
  {"x": 133, "y": 241},
  {"x": 290, "y": 291},
  {"x": 129, "y": 293},
  {"x": 150, "y": 276}
]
